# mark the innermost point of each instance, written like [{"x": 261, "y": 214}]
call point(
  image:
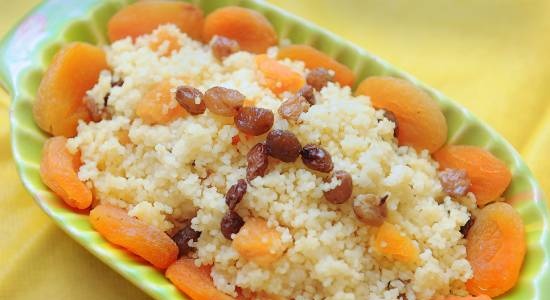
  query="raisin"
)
[
  {"x": 223, "y": 47},
  {"x": 223, "y": 101},
  {"x": 119, "y": 82},
  {"x": 464, "y": 229},
  {"x": 455, "y": 182},
  {"x": 392, "y": 118},
  {"x": 316, "y": 158},
  {"x": 235, "y": 194},
  {"x": 283, "y": 145},
  {"x": 318, "y": 78},
  {"x": 257, "y": 161},
  {"x": 231, "y": 224},
  {"x": 292, "y": 108},
  {"x": 307, "y": 92},
  {"x": 254, "y": 120},
  {"x": 370, "y": 210},
  {"x": 190, "y": 99},
  {"x": 183, "y": 237},
  {"x": 342, "y": 192},
  {"x": 95, "y": 112}
]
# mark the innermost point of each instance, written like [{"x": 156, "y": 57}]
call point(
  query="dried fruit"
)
[
  {"x": 58, "y": 170},
  {"x": 370, "y": 210},
  {"x": 257, "y": 161},
  {"x": 259, "y": 243},
  {"x": 342, "y": 192},
  {"x": 190, "y": 99},
  {"x": 235, "y": 194},
  {"x": 292, "y": 108},
  {"x": 223, "y": 47},
  {"x": 318, "y": 78},
  {"x": 254, "y": 120},
  {"x": 231, "y": 224},
  {"x": 182, "y": 238},
  {"x": 495, "y": 250},
  {"x": 422, "y": 124},
  {"x": 96, "y": 114},
  {"x": 392, "y": 244},
  {"x": 314, "y": 58},
  {"x": 249, "y": 28},
  {"x": 277, "y": 76},
  {"x": 60, "y": 103},
  {"x": 283, "y": 145},
  {"x": 307, "y": 92},
  {"x": 464, "y": 229},
  {"x": 140, "y": 238},
  {"x": 488, "y": 175},
  {"x": 163, "y": 37},
  {"x": 392, "y": 118},
  {"x": 145, "y": 16},
  {"x": 455, "y": 182},
  {"x": 223, "y": 101},
  {"x": 316, "y": 158},
  {"x": 194, "y": 281},
  {"x": 157, "y": 106}
]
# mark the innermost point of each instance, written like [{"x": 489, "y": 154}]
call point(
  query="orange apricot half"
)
[
  {"x": 421, "y": 123},
  {"x": 60, "y": 102},
  {"x": 58, "y": 170}
]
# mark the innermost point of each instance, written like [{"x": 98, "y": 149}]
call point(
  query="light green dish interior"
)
[{"x": 28, "y": 49}]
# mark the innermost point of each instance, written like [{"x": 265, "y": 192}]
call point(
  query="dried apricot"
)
[
  {"x": 194, "y": 281},
  {"x": 60, "y": 101},
  {"x": 495, "y": 249},
  {"x": 159, "y": 105},
  {"x": 488, "y": 175},
  {"x": 164, "y": 36},
  {"x": 314, "y": 58},
  {"x": 395, "y": 245},
  {"x": 277, "y": 76},
  {"x": 145, "y": 16},
  {"x": 140, "y": 238},
  {"x": 259, "y": 243},
  {"x": 58, "y": 170},
  {"x": 422, "y": 125},
  {"x": 249, "y": 28}
]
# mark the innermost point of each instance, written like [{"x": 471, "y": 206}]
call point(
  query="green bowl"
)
[{"x": 28, "y": 49}]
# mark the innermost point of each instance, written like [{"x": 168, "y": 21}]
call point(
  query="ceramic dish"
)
[{"x": 28, "y": 49}]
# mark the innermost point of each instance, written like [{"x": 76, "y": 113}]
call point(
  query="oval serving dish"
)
[{"x": 28, "y": 49}]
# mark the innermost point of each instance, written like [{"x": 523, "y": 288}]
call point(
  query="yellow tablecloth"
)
[{"x": 492, "y": 55}]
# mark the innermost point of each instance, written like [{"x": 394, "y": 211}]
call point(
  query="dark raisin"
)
[
  {"x": 235, "y": 194},
  {"x": 455, "y": 182},
  {"x": 307, "y": 92},
  {"x": 119, "y": 82},
  {"x": 464, "y": 229},
  {"x": 223, "y": 47},
  {"x": 257, "y": 161},
  {"x": 370, "y": 210},
  {"x": 283, "y": 145},
  {"x": 342, "y": 192},
  {"x": 190, "y": 99},
  {"x": 392, "y": 118},
  {"x": 316, "y": 158},
  {"x": 254, "y": 120},
  {"x": 223, "y": 101},
  {"x": 318, "y": 78},
  {"x": 231, "y": 224},
  {"x": 183, "y": 237},
  {"x": 292, "y": 108}
]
